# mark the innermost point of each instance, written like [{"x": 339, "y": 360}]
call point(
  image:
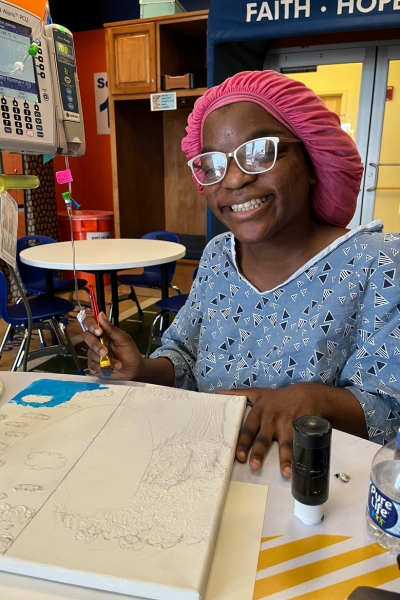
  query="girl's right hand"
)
[{"x": 126, "y": 360}]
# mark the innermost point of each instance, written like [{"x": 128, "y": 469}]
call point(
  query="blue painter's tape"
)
[
  {"x": 60, "y": 392},
  {"x": 47, "y": 157}
]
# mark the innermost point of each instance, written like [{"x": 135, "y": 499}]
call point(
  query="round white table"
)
[{"x": 105, "y": 257}]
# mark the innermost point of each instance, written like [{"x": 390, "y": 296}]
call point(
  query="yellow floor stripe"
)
[
  {"x": 280, "y": 554},
  {"x": 283, "y": 581},
  {"x": 268, "y": 539},
  {"x": 341, "y": 590}
]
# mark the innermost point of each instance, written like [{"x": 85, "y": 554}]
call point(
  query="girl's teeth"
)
[{"x": 250, "y": 205}]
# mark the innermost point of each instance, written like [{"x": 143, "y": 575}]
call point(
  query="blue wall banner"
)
[{"x": 240, "y": 20}]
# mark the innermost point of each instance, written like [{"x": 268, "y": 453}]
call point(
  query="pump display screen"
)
[
  {"x": 15, "y": 40},
  {"x": 66, "y": 70}
]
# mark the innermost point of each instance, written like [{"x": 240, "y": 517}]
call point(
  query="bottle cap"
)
[{"x": 312, "y": 432}]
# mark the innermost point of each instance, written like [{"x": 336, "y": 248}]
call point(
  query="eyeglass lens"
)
[{"x": 253, "y": 157}]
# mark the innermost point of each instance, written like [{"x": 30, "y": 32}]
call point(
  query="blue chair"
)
[
  {"x": 151, "y": 276},
  {"x": 47, "y": 313},
  {"x": 173, "y": 305},
  {"x": 34, "y": 278}
]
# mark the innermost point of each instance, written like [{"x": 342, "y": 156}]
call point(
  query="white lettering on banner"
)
[
  {"x": 251, "y": 10},
  {"x": 286, "y": 3},
  {"x": 367, "y": 9},
  {"x": 345, "y": 4},
  {"x": 298, "y": 8},
  {"x": 265, "y": 12}
]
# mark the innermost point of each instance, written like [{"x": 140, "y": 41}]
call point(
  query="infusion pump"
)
[{"x": 40, "y": 103}]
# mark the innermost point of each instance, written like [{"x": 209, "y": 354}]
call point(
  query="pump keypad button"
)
[
  {"x": 4, "y": 101},
  {"x": 6, "y": 122},
  {"x": 27, "y": 112},
  {"x": 28, "y": 119},
  {"x": 26, "y": 105},
  {"x": 29, "y": 126},
  {"x": 20, "y": 132},
  {"x": 39, "y": 127},
  {"x": 15, "y": 103},
  {"x": 6, "y": 115},
  {"x": 18, "y": 125},
  {"x": 7, "y": 129},
  {"x": 17, "y": 117},
  {"x": 37, "y": 113},
  {"x": 39, "y": 134},
  {"x": 38, "y": 121},
  {"x": 4, "y": 107},
  {"x": 16, "y": 110}
]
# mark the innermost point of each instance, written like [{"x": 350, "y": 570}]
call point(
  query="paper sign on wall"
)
[
  {"x": 163, "y": 101},
  {"x": 8, "y": 229},
  {"x": 101, "y": 101}
]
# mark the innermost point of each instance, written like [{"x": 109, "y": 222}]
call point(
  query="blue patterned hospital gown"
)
[{"x": 336, "y": 321}]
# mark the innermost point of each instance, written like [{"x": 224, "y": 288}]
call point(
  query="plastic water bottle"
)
[{"x": 383, "y": 505}]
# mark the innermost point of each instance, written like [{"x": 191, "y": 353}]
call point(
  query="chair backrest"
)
[
  {"x": 165, "y": 236},
  {"x": 31, "y": 276}
]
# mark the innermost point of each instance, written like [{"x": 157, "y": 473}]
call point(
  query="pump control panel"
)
[{"x": 39, "y": 91}]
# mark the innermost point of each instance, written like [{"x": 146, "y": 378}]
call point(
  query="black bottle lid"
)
[{"x": 312, "y": 432}]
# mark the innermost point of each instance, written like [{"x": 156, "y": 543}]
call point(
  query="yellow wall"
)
[
  {"x": 338, "y": 80},
  {"x": 345, "y": 80},
  {"x": 387, "y": 205}
]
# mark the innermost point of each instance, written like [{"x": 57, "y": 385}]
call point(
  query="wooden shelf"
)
[{"x": 152, "y": 184}]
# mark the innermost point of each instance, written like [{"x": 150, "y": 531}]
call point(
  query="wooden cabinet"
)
[
  {"x": 132, "y": 52},
  {"x": 152, "y": 184}
]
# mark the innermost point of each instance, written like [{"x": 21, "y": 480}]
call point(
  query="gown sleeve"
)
[{"x": 372, "y": 371}]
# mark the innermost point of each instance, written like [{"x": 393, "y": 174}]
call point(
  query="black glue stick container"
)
[{"x": 310, "y": 467}]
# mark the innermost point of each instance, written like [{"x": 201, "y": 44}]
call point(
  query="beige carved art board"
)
[{"x": 115, "y": 488}]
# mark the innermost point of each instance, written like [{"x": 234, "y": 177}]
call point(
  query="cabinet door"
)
[{"x": 132, "y": 59}]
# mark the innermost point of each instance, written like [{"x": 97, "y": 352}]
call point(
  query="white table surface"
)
[
  {"x": 342, "y": 562},
  {"x": 103, "y": 255}
]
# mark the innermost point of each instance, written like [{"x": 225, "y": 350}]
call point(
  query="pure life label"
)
[
  {"x": 383, "y": 511},
  {"x": 276, "y": 10}
]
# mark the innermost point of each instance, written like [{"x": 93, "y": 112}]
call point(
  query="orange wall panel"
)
[
  {"x": 92, "y": 185},
  {"x": 34, "y": 6}
]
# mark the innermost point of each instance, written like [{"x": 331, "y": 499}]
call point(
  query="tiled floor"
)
[{"x": 127, "y": 309}]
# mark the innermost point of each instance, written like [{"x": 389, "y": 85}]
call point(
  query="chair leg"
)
[
  {"x": 71, "y": 350},
  {"x": 20, "y": 354},
  {"x": 133, "y": 297},
  {"x": 41, "y": 338},
  {"x": 175, "y": 287},
  {"x": 151, "y": 334},
  {"x": 5, "y": 339}
]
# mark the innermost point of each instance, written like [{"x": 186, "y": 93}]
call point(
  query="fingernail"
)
[
  {"x": 256, "y": 461},
  {"x": 287, "y": 471},
  {"x": 242, "y": 455},
  {"x": 102, "y": 351},
  {"x": 97, "y": 331}
]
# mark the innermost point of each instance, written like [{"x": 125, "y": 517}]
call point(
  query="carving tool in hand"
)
[{"x": 105, "y": 362}]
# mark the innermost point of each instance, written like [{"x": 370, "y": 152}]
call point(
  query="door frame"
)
[{"x": 375, "y": 56}]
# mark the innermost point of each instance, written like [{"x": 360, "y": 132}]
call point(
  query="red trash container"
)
[{"x": 87, "y": 225}]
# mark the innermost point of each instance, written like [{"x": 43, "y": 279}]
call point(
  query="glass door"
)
[
  {"x": 354, "y": 82},
  {"x": 382, "y": 177}
]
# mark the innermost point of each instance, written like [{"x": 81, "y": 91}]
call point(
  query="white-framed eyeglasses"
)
[{"x": 255, "y": 156}]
